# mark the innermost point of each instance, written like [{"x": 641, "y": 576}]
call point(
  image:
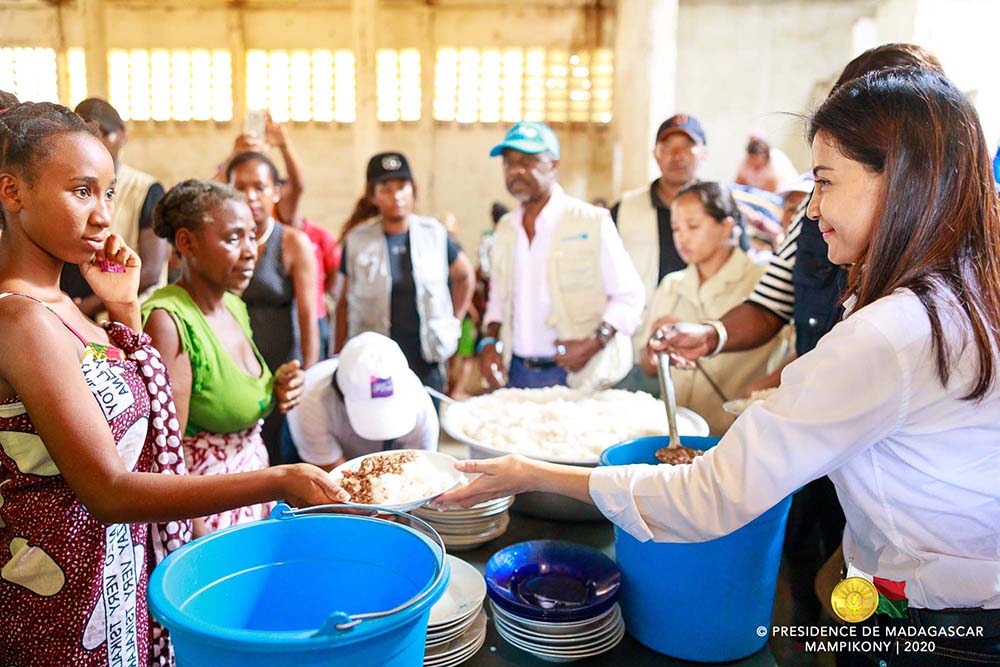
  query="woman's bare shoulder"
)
[
  {"x": 296, "y": 241},
  {"x": 21, "y": 316},
  {"x": 31, "y": 337}
]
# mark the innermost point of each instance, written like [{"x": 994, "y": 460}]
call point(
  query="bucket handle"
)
[{"x": 340, "y": 620}]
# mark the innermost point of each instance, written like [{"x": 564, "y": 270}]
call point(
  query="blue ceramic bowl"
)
[{"x": 551, "y": 580}]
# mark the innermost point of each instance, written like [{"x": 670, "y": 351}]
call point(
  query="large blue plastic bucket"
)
[
  {"x": 705, "y": 601},
  {"x": 274, "y": 593}
]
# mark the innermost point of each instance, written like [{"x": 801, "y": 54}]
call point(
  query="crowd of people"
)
[{"x": 866, "y": 292}]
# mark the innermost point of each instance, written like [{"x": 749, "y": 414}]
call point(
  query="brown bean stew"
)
[{"x": 677, "y": 455}]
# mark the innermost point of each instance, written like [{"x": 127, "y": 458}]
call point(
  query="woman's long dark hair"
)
[
  {"x": 939, "y": 214},
  {"x": 364, "y": 209},
  {"x": 886, "y": 56}
]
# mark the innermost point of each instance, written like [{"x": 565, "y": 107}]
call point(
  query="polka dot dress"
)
[{"x": 73, "y": 589}]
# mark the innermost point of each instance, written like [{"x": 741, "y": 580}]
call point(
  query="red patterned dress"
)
[{"x": 73, "y": 589}]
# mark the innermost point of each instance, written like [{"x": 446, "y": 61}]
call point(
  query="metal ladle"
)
[{"x": 669, "y": 398}]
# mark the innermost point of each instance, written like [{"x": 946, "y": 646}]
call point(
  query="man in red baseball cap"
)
[{"x": 643, "y": 215}]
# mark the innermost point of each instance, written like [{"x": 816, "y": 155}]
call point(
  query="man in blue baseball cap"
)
[
  {"x": 564, "y": 297},
  {"x": 529, "y": 137}
]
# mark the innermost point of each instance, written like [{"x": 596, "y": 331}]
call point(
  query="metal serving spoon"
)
[{"x": 669, "y": 398}]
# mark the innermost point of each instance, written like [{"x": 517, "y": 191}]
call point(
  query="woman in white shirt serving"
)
[{"x": 899, "y": 403}]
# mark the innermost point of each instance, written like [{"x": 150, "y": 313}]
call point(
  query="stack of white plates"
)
[
  {"x": 457, "y": 626},
  {"x": 561, "y": 641},
  {"x": 464, "y": 529}
]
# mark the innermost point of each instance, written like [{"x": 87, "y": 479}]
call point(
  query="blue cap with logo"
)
[{"x": 529, "y": 137}]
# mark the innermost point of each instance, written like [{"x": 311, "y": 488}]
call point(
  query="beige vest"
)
[
  {"x": 637, "y": 225},
  {"x": 681, "y": 294},
  {"x": 370, "y": 285},
  {"x": 576, "y": 288},
  {"x": 130, "y": 194}
]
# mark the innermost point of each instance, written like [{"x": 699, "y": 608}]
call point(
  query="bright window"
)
[
  {"x": 508, "y": 85},
  {"x": 177, "y": 84},
  {"x": 302, "y": 85},
  {"x": 30, "y": 74},
  {"x": 602, "y": 81},
  {"x": 397, "y": 81},
  {"x": 76, "y": 63}
]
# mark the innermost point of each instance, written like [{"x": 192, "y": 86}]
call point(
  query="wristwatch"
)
[
  {"x": 604, "y": 333},
  {"x": 486, "y": 342}
]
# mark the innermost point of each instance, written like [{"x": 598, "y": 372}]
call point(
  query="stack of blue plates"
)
[{"x": 556, "y": 600}]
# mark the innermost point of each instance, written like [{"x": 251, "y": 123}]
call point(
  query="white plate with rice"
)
[{"x": 400, "y": 480}]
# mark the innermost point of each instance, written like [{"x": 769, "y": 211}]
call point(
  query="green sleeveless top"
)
[{"x": 224, "y": 399}]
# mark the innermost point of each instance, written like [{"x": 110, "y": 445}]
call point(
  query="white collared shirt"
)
[
  {"x": 532, "y": 337},
  {"x": 917, "y": 469}
]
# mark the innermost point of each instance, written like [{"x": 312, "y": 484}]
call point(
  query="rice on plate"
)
[
  {"x": 562, "y": 424},
  {"x": 400, "y": 480}
]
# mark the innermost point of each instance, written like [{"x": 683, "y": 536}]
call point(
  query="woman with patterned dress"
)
[
  {"x": 88, "y": 432},
  {"x": 222, "y": 385}
]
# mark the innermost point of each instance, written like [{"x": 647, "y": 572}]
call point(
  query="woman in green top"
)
[{"x": 222, "y": 386}]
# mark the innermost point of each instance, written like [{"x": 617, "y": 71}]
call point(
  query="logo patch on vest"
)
[
  {"x": 381, "y": 387},
  {"x": 576, "y": 237}
]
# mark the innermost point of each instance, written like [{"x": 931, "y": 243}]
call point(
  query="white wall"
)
[
  {"x": 747, "y": 65},
  {"x": 960, "y": 33}
]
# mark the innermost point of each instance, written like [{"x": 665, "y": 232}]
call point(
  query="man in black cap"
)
[{"x": 136, "y": 195}]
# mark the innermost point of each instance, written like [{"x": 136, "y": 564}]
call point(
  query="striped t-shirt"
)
[{"x": 774, "y": 290}]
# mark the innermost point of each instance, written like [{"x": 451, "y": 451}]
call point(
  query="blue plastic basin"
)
[{"x": 261, "y": 594}]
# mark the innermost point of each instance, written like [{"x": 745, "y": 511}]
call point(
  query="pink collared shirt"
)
[{"x": 531, "y": 336}]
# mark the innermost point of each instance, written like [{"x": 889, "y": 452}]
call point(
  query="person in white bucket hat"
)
[
  {"x": 364, "y": 400},
  {"x": 793, "y": 199}
]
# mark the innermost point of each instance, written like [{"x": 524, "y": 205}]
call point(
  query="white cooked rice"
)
[
  {"x": 558, "y": 422},
  {"x": 418, "y": 480}
]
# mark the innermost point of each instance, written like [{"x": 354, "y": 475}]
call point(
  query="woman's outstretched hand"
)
[
  {"x": 497, "y": 478},
  {"x": 305, "y": 485}
]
